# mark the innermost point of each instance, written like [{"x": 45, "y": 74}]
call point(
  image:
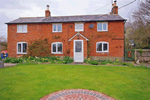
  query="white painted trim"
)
[
  {"x": 21, "y": 47},
  {"x": 56, "y": 48},
  {"x": 22, "y": 28},
  {"x": 56, "y": 27},
  {"x": 102, "y": 27},
  {"x": 80, "y": 35},
  {"x": 78, "y": 30},
  {"x": 102, "y": 47},
  {"x": 82, "y": 49}
]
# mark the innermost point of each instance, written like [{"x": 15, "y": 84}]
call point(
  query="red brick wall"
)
[{"x": 114, "y": 35}]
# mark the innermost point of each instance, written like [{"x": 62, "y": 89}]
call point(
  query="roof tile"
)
[{"x": 59, "y": 19}]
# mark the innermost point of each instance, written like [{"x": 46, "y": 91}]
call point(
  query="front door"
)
[{"x": 78, "y": 51}]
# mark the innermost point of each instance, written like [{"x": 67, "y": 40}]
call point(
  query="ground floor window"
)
[
  {"x": 102, "y": 47},
  {"x": 21, "y": 48},
  {"x": 57, "y": 48}
]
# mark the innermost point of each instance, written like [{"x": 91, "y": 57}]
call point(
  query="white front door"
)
[{"x": 78, "y": 51}]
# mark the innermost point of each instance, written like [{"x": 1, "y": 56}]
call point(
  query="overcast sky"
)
[{"x": 13, "y": 9}]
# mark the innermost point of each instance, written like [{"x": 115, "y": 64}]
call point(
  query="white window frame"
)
[
  {"x": 21, "y": 47},
  {"x": 78, "y": 30},
  {"x": 18, "y": 31},
  {"x": 56, "y": 27},
  {"x": 102, "y": 26},
  {"x": 102, "y": 47},
  {"x": 56, "y": 48}
]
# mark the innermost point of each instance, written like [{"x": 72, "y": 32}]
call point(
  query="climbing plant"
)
[{"x": 39, "y": 48}]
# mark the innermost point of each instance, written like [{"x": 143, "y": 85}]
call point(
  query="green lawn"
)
[{"x": 32, "y": 82}]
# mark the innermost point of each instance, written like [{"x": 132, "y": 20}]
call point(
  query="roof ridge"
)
[
  {"x": 79, "y": 15},
  {"x": 31, "y": 17}
]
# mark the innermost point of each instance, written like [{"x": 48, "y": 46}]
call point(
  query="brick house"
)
[{"x": 97, "y": 36}]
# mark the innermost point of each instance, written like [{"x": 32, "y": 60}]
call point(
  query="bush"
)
[
  {"x": 125, "y": 64},
  {"x": 13, "y": 60},
  {"x": 67, "y": 60},
  {"x": 86, "y": 61},
  {"x": 94, "y": 62},
  {"x": 103, "y": 63},
  {"x": 7, "y": 60},
  {"x": 39, "y": 48}
]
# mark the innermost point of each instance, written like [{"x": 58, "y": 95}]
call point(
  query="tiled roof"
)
[{"x": 59, "y": 19}]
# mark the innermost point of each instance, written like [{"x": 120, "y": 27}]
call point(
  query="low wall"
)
[
  {"x": 142, "y": 54},
  {"x": 106, "y": 58}
]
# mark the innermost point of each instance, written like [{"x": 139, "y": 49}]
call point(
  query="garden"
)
[
  {"x": 65, "y": 60},
  {"x": 34, "y": 81}
]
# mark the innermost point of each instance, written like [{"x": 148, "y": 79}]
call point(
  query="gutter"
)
[{"x": 63, "y": 22}]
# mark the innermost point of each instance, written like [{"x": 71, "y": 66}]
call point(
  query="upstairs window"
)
[
  {"x": 57, "y": 27},
  {"x": 102, "y": 26},
  {"x": 21, "y": 48},
  {"x": 102, "y": 47},
  {"x": 57, "y": 48},
  {"x": 79, "y": 27},
  {"x": 21, "y": 28}
]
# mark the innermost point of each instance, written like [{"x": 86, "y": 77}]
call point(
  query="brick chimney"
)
[
  {"x": 47, "y": 12},
  {"x": 115, "y": 8}
]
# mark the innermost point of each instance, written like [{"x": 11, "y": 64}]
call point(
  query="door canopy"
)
[{"x": 78, "y": 34}]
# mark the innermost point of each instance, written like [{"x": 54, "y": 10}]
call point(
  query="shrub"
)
[
  {"x": 7, "y": 60},
  {"x": 94, "y": 62},
  {"x": 67, "y": 60},
  {"x": 103, "y": 63},
  {"x": 39, "y": 48},
  {"x": 86, "y": 61},
  {"x": 125, "y": 64}
]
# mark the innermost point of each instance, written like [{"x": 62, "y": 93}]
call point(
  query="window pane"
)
[
  {"x": 19, "y": 47},
  {"x": 59, "y": 28},
  {"x": 54, "y": 47},
  {"x": 104, "y": 26},
  {"x": 100, "y": 26},
  {"x": 99, "y": 46},
  {"x": 24, "y": 47},
  {"x": 24, "y": 28},
  {"x": 105, "y": 47},
  {"x": 60, "y": 47},
  {"x": 78, "y": 46},
  {"x": 54, "y": 27},
  {"x": 19, "y": 28}
]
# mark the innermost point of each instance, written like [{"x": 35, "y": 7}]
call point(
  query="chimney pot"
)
[
  {"x": 115, "y": 8},
  {"x": 47, "y": 7},
  {"x": 47, "y": 12}
]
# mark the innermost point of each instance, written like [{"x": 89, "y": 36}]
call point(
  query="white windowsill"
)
[
  {"x": 102, "y": 51},
  {"x": 22, "y": 32},
  {"x": 102, "y": 30},
  {"x": 57, "y": 31},
  {"x": 21, "y": 53},
  {"x": 56, "y": 53}
]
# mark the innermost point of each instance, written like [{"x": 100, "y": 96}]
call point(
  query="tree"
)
[
  {"x": 140, "y": 25},
  {"x": 3, "y": 41}
]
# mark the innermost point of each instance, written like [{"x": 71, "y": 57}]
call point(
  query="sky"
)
[{"x": 13, "y": 9}]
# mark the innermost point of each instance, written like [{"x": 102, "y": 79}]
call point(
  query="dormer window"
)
[{"x": 21, "y": 28}]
